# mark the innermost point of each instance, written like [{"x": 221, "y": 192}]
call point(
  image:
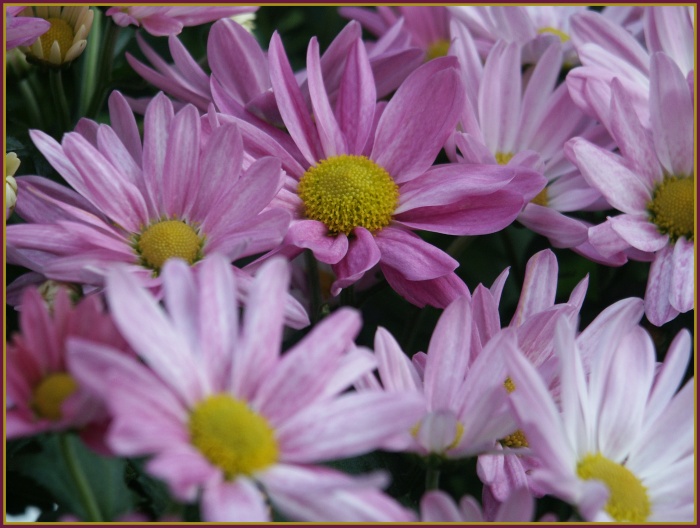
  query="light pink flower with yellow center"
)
[{"x": 224, "y": 416}]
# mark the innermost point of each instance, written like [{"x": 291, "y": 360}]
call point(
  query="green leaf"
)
[{"x": 82, "y": 482}]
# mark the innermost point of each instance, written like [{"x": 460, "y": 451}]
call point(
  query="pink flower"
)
[
  {"x": 177, "y": 195},
  {"x": 224, "y": 415},
  {"x": 607, "y": 51},
  {"x": 518, "y": 123},
  {"x": 620, "y": 446},
  {"x": 42, "y": 390},
  {"x": 652, "y": 184},
  {"x": 21, "y": 30},
  {"x": 367, "y": 179},
  {"x": 164, "y": 21}
]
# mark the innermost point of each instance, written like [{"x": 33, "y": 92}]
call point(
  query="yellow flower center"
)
[
  {"x": 61, "y": 31},
  {"x": 554, "y": 31},
  {"x": 514, "y": 440},
  {"x": 503, "y": 157},
  {"x": 628, "y": 500},
  {"x": 541, "y": 198},
  {"x": 439, "y": 48},
  {"x": 50, "y": 394},
  {"x": 509, "y": 385},
  {"x": 168, "y": 239},
  {"x": 348, "y": 191},
  {"x": 232, "y": 436},
  {"x": 672, "y": 208}
]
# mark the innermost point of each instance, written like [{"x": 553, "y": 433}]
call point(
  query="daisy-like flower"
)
[
  {"x": 164, "y": 21},
  {"x": 171, "y": 197},
  {"x": 43, "y": 394},
  {"x": 224, "y": 415},
  {"x": 22, "y": 30},
  {"x": 11, "y": 165},
  {"x": 607, "y": 51},
  {"x": 652, "y": 184},
  {"x": 65, "y": 40},
  {"x": 513, "y": 122},
  {"x": 367, "y": 179},
  {"x": 621, "y": 448}
]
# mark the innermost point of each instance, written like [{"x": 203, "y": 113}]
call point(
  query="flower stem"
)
[
  {"x": 105, "y": 73},
  {"x": 86, "y": 495},
  {"x": 31, "y": 104},
  {"x": 314, "y": 285},
  {"x": 59, "y": 97},
  {"x": 432, "y": 478},
  {"x": 91, "y": 62}
]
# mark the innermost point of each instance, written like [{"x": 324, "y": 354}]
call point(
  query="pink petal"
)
[
  {"x": 671, "y": 116},
  {"x": 181, "y": 166},
  {"x": 313, "y": 235},
  {"x": 423, "y": 111},
  {"x": 363, "y": 253},
  {"x": 637, "y": 231},
  {"x": 682, "y": 296},
  {"x": 396, "y": 371},
  {"x": 234, "y": 502},
  {"x": 124, "y": 124},
  {"x": 291, "y": 103},
  {"x": 413, "y": 257},
  {"x": 561, "y": 230},
  {"x": 437, "y": 431},
  {"x": 184, "y": 469},
  {"x": 437, "y": 292},
  {"x": 342, "y": 427},
  {"x": 332, "y": 139},
  {"x": 539, "y": 286},
  {"x": 438, "y": 506},
  {"x": 657, "y": 303},
  {"x": 157, "y": 120}
]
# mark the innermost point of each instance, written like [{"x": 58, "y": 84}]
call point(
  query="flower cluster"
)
[{"x": 248, "y": 280}]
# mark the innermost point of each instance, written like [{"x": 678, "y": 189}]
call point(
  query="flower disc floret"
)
[
  {"x": 628, "y": 501},
  {"x": 232, "y": 436},
  {"x": 514, "y": 440},
  {"x": 349, "y": 191},
  {"x": 168, "y": 239},
  {"x": 50, "y": 393},
  {"x": 672, "y": 207},
  {"x": 439, "y": 48},
  {"x": 60, "y": 31}
]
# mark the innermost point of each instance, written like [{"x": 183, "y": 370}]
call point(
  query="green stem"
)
[
  {"x": 314, "y": 285},
  {"x": 432, "y": 478},
  {"x": 459, "y": 245},
  {"x": 60, "y": 99},
  {"x": 31, "y": 104},
  {"x": 86, "y": 495},
  {"x": 91, "y": 62},
  {"x": 105, "y": 74}
]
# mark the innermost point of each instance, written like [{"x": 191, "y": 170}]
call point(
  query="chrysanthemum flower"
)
[
  {"x": 164, "y": 21},
  {"x": 228, "y": 418},
  {"x": 11, "y": 166},
  {"x": 368, "y": 179},
  {"x": 621, "y": 448},
  {"x": 171, "y": 197},
  {"x": 514, "y": 122},
  {"x": 652, "y": 184},
  {"x": 607, "y": 52},
  {"x": 22, "y": 30},
  {"x": 66, "y": 38},
  {"x": 43, "y": 394}
]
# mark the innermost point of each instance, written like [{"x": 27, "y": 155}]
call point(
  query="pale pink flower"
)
[
  {"x": 224, "y": 415},
  {"x": 42, "y": 391},
  {"x": 607, "y": 51},
  {"x": 516, "y": 120},
  {"x": 375, "y": 156},
  {"x": 22, "y": 30},
  {"x": 651, "y": 183},
  {"x": 142, "y": 203},
  {"x": 620, "y": 445},
  {"x": 169, "y": 20}
]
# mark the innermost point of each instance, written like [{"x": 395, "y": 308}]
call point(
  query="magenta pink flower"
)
[
  {"x": 42, "y": 391},
  {"x": 367, "y": 179},
  {"x": 224, "y": 415},
  {"x": 177, "y": 195},
  {"x": 21, "y": 30},
  {"x": 652, "y": 184},
  {"x": 169, "y": 20}
]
